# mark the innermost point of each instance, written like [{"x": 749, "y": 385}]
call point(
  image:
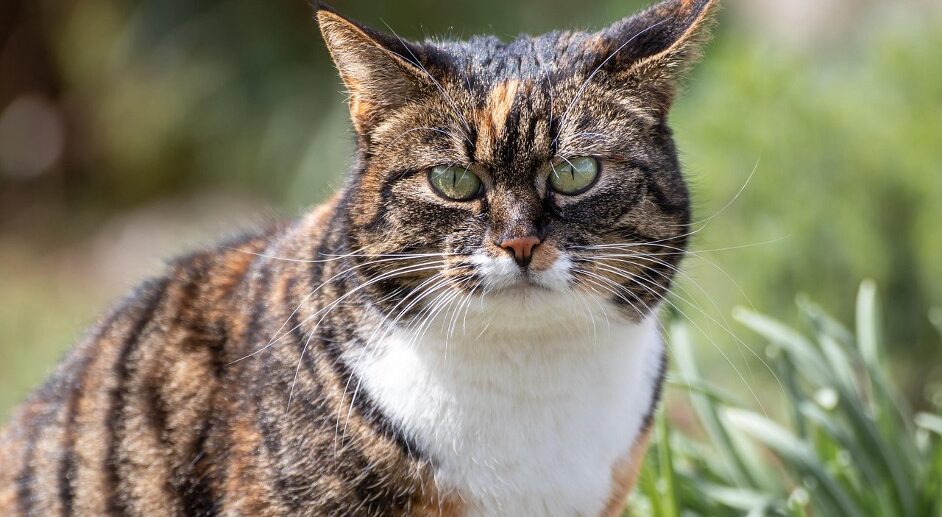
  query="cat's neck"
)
[{"x": 521, "y": 410}]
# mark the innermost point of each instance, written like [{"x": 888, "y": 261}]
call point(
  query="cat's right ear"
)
[{"x": 381, "y": 72}]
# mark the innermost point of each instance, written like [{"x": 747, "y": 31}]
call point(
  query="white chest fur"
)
[{"x": 524, "y": 410}]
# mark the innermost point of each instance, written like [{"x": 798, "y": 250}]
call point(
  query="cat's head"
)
[{"x": 521, "y": 168}]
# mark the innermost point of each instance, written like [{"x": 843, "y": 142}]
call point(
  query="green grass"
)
[{"x": 848, "y": 444}]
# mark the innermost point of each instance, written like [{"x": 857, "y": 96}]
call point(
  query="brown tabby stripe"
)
[
  {"x": 191, "y": 484},
  {"x": 90, "y": 450},
  {"x": 152, "y": 295},
  {"x": 24, "y": 480},
  {"x": 68, "y": 465},
  {"x": 48, "y": 450}
]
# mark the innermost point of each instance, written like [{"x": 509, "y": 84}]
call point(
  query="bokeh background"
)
[{"x": 134, "y": 130}]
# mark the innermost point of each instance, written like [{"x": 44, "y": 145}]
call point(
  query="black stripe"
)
[
  {"x": 470, "y": 144},
  {"x": 658, "y": 392},
  {"x": 506, "y": 150},
  {"x": 68, "y": 467},
  {"x": 152, "y": 295},
  {"x": 196, "y": 491},
  {"x": 193, "y": 274},
  {"x": 270, "y": 410},
  {"x": 157, "y": 413},
  {"x": 385, "y": 194},
  {"x": 24, "y": 481},
  {"x": 554, "y": 130}
]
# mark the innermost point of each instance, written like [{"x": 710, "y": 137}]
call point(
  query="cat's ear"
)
[
  {"x": 649, "y": 52},
  {"x": 381, "y": 72}
]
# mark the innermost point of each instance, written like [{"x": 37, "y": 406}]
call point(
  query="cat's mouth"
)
[{"x": 502, "y": 275}]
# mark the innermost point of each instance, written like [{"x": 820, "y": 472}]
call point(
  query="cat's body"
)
[
  {"x": 153, "y": 416},
  {"x": 408, "y": 348}
]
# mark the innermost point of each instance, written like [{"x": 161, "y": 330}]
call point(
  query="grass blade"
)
[
  {"x": 806, "y": 356},
  {"x": 930, "y": 422},
  {"x": 705, "y": 407},
  {"x": 795, "y": 453}
]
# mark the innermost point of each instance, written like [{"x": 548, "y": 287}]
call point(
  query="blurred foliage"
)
[
  {"x": 851, "y": 445},
  {"x": 814, "y": 164},
  {"x": 848, "y": 171}
]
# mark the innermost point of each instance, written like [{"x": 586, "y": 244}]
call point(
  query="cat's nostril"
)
[{"x": 521, "y": 248}]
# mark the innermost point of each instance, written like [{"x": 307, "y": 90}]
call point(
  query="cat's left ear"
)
[
  {"x": 649, "y": 52},
  {"x": 381, "y": 72}
]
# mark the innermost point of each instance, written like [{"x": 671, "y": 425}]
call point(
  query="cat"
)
[{"x": 469, "y": 327}]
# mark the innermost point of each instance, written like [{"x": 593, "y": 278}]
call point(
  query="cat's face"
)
[{"x": 543, "y": 164}]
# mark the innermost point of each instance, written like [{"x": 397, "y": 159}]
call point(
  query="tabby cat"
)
[{"x": 467, "y": 328}]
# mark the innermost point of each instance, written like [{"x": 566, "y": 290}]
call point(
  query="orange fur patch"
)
[
  {"x": 499, "y": 103},
  {"x": 625, "y": 474},
  {"x": 492, "y": 120},
  {"x": 435, "y": 504},
  {"x": 360, "y": 111},
  {"x": 543, "y": 257},
  {"x": 243, "y": 483}
]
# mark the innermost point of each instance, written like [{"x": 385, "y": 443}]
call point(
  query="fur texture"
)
[{"x": 385, "y": 354}]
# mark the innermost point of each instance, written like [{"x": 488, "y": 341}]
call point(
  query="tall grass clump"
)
[{"x": 847, "y": 443}]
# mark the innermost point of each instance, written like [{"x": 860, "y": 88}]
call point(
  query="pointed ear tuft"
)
[
  {"x": 379, "y": 71},
  {"x": 654, "y": 48}
]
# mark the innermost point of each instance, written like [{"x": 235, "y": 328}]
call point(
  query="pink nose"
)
[{"x": 521, "y": 248}]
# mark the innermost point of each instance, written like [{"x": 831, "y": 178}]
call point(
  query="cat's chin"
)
[
  {"x": 527, "y": 314},
  {"x": 524, "y": 287}
]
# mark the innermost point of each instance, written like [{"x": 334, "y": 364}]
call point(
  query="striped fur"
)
[{"x": 232, "y": 383}]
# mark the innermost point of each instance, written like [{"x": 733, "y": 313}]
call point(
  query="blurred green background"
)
[{"x": 131, "y": 131}]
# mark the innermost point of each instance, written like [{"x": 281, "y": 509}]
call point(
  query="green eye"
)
[
  {"x": 455, "y": 183},
  {"x": 574, "y": 176}
]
